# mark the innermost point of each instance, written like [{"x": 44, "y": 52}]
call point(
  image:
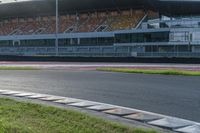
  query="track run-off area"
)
[{"x": 177, "y": 96}]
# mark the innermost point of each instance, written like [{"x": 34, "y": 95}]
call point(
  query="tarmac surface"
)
[{"x": 177, "y": 96}]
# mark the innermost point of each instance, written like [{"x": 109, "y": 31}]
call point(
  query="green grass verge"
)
[
  {"x": 17, "y": 68},
  {"x": 145, "y": 71},
  {"x": 21, "y": 117}
]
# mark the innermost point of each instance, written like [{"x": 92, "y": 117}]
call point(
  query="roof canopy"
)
[{"x": 40, "y": 7}]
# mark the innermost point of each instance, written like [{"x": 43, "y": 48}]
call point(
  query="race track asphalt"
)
[{"x": 177, "y": 96}]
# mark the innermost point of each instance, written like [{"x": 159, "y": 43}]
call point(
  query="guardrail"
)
[{"x": 107, "y": 51}]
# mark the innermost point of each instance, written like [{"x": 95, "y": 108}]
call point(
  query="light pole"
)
[{"x": 57, "y": 23}]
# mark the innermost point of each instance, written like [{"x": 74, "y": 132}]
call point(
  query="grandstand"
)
[
  {"x": 129, "y": 28},
  {"x": 73, "y": 23}
]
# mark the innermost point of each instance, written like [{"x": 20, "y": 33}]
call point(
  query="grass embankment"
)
[
  {"x": 17, "y": 68},
  {"x": 147, "y": 71},
  {"x": 20, "y": 117}
]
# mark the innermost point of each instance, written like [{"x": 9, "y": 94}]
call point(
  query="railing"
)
[
  {"x": 63, "y": 51},
  {"x": 169, "y": 54}
]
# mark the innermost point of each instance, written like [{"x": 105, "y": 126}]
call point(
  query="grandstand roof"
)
[{"x": 38, "y": 7}]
